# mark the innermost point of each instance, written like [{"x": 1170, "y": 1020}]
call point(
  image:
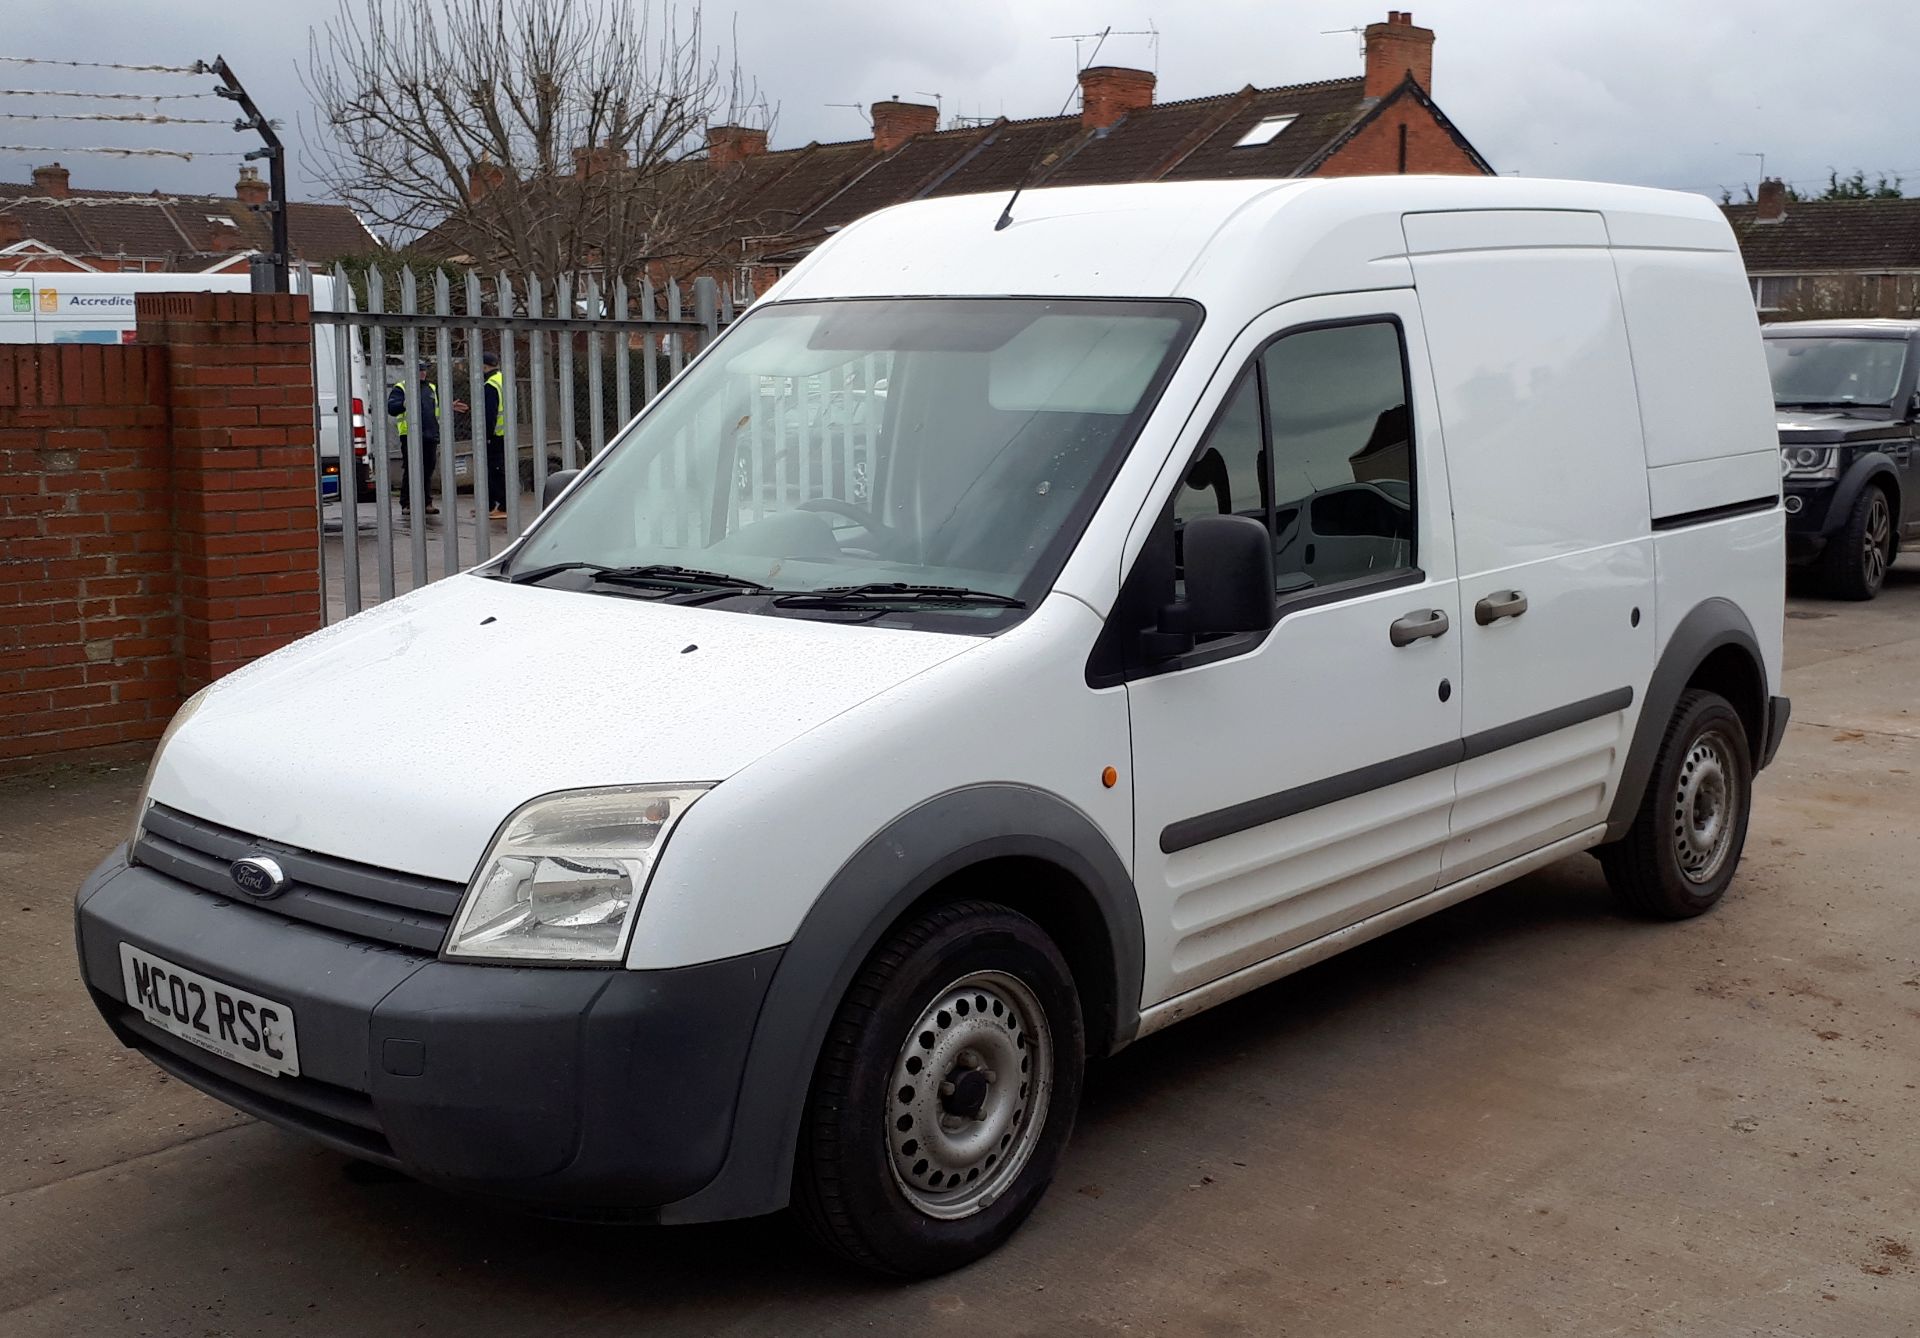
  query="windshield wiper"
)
[
  {"x": 1828, "y": 404},
  {"x": 893, "y": 592},
  {"x": 652, "y": 575},
  {"x": 665, "y": 573}
]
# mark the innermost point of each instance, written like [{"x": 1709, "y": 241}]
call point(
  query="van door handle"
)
[
  {"x": 1427, "y": 622},
  {"x": 1500, "y": 604}
]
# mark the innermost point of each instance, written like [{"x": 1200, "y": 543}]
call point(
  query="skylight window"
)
[
  {"x": 1264, "y": 131},
  {"x": 222, "y": 220}
]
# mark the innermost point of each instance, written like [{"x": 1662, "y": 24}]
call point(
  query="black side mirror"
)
[
  {"x": 1229, "y": 566},
  {"x": 1913, "y": 407},
  {"x": 555, "y": 485}
]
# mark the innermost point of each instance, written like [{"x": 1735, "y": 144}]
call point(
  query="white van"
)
[
  {"x": 1232, "y": 572},
  {"x": 49, "y": 308}
]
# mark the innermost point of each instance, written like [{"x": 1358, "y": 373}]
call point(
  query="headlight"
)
[
  {"x": 563, "y": 879},
  {"x": 180, "y": 717},
  {"x": 1808, "y": 462}
]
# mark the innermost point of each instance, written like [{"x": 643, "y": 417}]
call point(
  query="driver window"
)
[{"x": 1340, "y": 436}]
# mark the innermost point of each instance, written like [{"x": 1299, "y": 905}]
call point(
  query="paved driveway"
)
[{"x": 1523, "y": 1116}]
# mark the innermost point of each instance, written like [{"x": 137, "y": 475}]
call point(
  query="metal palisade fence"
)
[{"x": 556, "y": 346}]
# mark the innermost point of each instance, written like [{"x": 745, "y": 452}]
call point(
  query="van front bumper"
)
[{"x": 583, "y": 1089}]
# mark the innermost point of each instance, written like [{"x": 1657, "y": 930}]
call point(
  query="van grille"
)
[{"x": 380, "y": 905}]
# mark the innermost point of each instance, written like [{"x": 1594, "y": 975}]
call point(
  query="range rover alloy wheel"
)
[
  {"x": 1854, "y": 564},
  {"x": 945, "y": 1092},
  {"x": 1680, "y": 854}
]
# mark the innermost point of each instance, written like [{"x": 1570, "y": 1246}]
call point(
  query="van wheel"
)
[
  {"x": 1854, "y": 563},
  {"x": 945, "y": 1093},
  {"x": 1680, "y": 853}
]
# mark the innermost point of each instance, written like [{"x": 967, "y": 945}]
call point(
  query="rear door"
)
[
  {"x": 1292, "y": 783},
  {"x": 1526, "y": 331}
]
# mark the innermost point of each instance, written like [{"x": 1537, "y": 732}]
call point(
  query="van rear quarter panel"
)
[
  {"x": 1742, "y": 559},
  {"x": 1705, "y": 402}
]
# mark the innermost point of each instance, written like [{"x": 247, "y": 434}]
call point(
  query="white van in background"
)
[
  {"x": 1233, "y": 572},
  {"x": 50, "y": 308}
]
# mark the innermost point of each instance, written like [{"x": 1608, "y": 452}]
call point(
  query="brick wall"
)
[
  {"x": 157, "y": 519},
  {"x": 1376, "y": 150},
  {"x": 87, "y": 622}
]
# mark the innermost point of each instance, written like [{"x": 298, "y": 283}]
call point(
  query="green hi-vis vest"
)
[
  {"x": 433, "y": 396},
  {"x": 499, "y": 405}
]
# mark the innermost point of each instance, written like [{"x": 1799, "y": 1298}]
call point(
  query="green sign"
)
[{"x": 23, "y": 299}]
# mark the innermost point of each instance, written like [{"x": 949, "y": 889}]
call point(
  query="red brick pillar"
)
[
  {"x": 245, "y": 503},
  {"x": 88, "y": 663}
]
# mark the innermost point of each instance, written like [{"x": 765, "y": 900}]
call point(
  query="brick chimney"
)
[
  {"x": 1396, "y": 49},
  {"x": 483, "y": 177},
  {"x": 250, "y": 189},
  {"x": 52, "y": 180},
  {"x": 895, "y": 122},
  {"x": 730, "y": 145},
  {"x": 1770, "y": 206},
  {"x": 1109, "y": 92},
  {"x": 591, "y": 160}
]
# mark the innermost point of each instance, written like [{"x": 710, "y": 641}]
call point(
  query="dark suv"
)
[{"x": 1845, "y": 391}]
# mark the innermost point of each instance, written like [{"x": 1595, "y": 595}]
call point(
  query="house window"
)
[
  {"x": 743, "y": 284},
  {"x": 1264, "y": 131},
  {"x": 1771, "y": 291}
]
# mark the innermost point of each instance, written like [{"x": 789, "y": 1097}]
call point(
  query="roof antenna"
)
[{"x": 1006, "y": 215}]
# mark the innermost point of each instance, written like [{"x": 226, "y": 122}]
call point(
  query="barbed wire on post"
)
[
  {"x": 139, "y": 118},
  {"x": 198, "y": 67},
  {"x": 102, "y": 97},
  {"x": 184, "y": 155}
]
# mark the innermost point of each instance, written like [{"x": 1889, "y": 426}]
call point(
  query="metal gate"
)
[{"x": 556, "y": 347}]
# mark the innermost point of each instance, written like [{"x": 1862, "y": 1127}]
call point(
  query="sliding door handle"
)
[
  {"x": 1500, "y": 604},
  {"x": 1427, "y": 622}
]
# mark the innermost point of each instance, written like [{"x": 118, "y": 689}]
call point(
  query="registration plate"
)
[{"x": 234, "y": 1024}]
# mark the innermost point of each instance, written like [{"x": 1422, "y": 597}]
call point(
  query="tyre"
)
[
  {"x": 1854, "y": 563},
  {"x": 363, "y": 482},
  {"x": 1683, "y": 847},
  {"x": 944, "y": 1095}
]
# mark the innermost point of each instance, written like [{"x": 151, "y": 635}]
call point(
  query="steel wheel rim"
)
[
  {"x": 981, "y": 1048},
  {"x": 1706, "y": 808},
  {"x": 1873, "y": 558}
]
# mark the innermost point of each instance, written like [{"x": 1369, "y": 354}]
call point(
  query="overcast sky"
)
[{"x": 1656, "y": 92}]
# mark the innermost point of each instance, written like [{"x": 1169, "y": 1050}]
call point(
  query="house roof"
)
[
  {"x": 1817, "y": 236},
  {"x": 792, "y": 198},
  {"x": 188, "y": 232},
  {"x": 1192, "y": 140}
]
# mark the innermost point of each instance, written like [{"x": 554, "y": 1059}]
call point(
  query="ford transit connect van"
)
[{"x": 1230, "y": 573}]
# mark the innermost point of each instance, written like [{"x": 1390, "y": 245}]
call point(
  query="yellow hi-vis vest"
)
[
  {"x": 433, "y": 398},
  {"x": 499, "y": 405}
]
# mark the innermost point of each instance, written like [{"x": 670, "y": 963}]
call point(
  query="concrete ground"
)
[{"x": 1526, "y": 1115}]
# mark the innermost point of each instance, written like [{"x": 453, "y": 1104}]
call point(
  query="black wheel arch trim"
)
[
  {"x": 1708, "y": 626},
  {"x": 893, "y": 871},
  {"x": 1873, "y": 467}
]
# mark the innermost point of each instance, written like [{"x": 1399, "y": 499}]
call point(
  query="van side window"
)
[
  {"x": 1228, "y": 474},
  {"x": 1341, "y": 433}
]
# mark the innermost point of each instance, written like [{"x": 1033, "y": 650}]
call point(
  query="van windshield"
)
[
  {"x": 1835, "y": 373},
  {"x": 957, "y": 443}
]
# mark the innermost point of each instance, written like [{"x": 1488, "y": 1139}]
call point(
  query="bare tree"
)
[{"x": 545, "y": 134}]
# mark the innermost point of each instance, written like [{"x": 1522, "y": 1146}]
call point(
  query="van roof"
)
[{"x": 1205, "y": 239}]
